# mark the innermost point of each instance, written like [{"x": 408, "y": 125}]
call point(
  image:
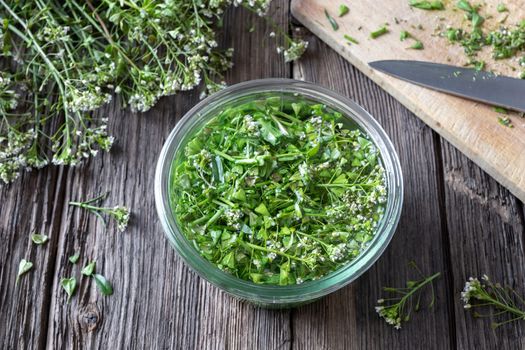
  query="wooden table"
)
[{"x": 456, "y": 220}]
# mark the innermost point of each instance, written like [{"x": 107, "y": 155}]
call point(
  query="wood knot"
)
[{"x": 89, "y": 317}]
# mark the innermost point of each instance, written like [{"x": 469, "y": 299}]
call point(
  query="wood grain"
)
[
  {"x": 487, "y": 236},
  {"x": 469, "y": 126},
  {"x": 32, "y": 204},
  {"x": 346, "y": 319}
]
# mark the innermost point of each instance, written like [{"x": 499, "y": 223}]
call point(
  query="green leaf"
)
[
  {"x": 465, "y": 6},
  {"x": 284, "y": 274},
  {"x": 89, "y": 269},
  {"x": 74, "y": 258},
  {"x": 70, "y": 286},
  {"x": 23, "y": 267},
  {"x": 261, "y": 209},
  {"x": 502, "y": 8},
  {"x": 229, "y": 260},
  {"x": 103, "y": 284},
  {"x": 343, "y": 10},
  {"x": 39, "y": 239},
  {"x": 418, "y": 45}
]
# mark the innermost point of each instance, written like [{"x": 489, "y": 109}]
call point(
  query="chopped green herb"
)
[
  {"x": 23, "y": 267},
  {"x": 89, "y": 269},
  {"x": 350, "y": 39},
  {"x": 502, "y": 8},
  {"x": 103, "y": 284},
  {"x": 427, "y": 5},
  {"x": 381, "y": 31},
  {"x": 39, "y": 239},
  {"x": 74, "y": 258},
  {"x": 505, "y": 121},
  {"x": 478, "y": 65},
  {"x": 404, "y": 35},
  {"x": 70, "y": 286},
  {"x": 332, "y": 21},
  {"x": 278, "y": 190},
  {"x": 500, "y": 110},
  {"x": 465, "y": 6},
  {"x": 418, "y": 45},
  {"x": 343, "y": 10}
]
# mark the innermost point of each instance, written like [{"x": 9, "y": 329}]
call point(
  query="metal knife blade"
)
[{"x": 465, "y": 82}]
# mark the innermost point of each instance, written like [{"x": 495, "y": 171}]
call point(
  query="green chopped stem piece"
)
[
  {"x": 331, "y": 20},
  {"x": 427, "y": 5},
  {"x": 350, "y": 39},
  {"x": 381, "y": 31}
]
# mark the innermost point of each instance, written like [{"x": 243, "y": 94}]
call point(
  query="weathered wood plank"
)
[
  {"x": 346, "y": 319},
  {"x": 32, "y": 204},
  {"x": 486, "y": 230},
  {"x": 158, "y": 302}
]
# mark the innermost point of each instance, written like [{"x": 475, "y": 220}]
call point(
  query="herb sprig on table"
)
[
  {"x": 486, "y": 294},
  {"x": 68, "y": 58},
  {"x": 119, "y": 213},
  {"x": 405, "y": 300},
  {"x": 278, "y": 192}
]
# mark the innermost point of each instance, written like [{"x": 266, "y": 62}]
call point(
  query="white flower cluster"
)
[
  {"x": 471, "y": 289},
  {"x": 389, "y": 313}
]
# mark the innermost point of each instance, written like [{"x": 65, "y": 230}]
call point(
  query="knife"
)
[{"x": 469, "y": 83}]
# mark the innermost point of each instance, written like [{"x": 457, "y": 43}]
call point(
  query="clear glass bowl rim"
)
[{"x": 272, "y": 294}]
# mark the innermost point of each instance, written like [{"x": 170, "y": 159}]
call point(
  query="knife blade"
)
[{"x": 469, "y": 83}]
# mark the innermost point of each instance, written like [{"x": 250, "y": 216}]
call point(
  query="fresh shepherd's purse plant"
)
[{"x": 63, "y": 60}]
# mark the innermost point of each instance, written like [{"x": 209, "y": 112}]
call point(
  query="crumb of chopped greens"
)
[
  {"x": 381, "y": 31},
  {"x": 343, "y": 10},
  {"x": 418, "y": 45},
  {"x": 504, "y": 42},
  {"x": 278, "y": 192},
  {"x": 404, "y": 35},
  {"x": 427, "y": 5},
  {"x": 350, "y": 39},
  {"x": 500, "y": 110},
  {"x": 331, "y": 20},
  {"x": 502, "y": 8},
  {"x": 505, "y": 121}
]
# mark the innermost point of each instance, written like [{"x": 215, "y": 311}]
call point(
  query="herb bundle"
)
[
  {"x": 63, "y": 60},
  {"x": 278, "y": 191}
]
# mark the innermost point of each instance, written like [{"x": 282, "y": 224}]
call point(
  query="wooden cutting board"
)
[{"x": 471, "y": 127}]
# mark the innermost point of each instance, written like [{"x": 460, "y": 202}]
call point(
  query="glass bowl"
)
[{"x": 273, "y": 295}]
